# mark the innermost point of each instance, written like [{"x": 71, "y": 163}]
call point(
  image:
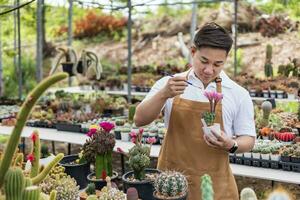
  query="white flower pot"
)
[
  {"x": 275, "y": 157},
  {"x": 265, "y": 93},
  {"x": 265, "y": 137},
  {"x": 265, "y": 156},
  {"x": 279, "y": 94},
  {"x": 239, "y": 155},
  {"x": 273, "y": 94},
  {"x": 248, "y": 155},
  {"x": 256, "y": 155},
  {"x": 291, "y": 96},
  {"x": 125, "y": 136},
  {"x": 216, "y": 128}
]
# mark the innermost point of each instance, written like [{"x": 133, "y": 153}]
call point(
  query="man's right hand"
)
[{"x": 175, "y": 86}]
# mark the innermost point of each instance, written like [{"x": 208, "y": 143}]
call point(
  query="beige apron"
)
[{"x": 185, "y": 150}]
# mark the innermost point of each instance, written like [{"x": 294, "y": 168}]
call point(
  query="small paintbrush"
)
[{"x": 167, "y": 74}]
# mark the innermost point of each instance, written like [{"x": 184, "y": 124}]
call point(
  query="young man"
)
[{"x": 185, "y": 146}]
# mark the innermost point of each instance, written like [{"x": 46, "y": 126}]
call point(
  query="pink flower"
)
[
  {"x": 133, "y": 134},
  {"x": 120, "y": 150},
  {"x": 151, "y": 140},
  {"x": 133, "y": 140},
  {"x": 91, "y": 132},
  {"x": 141, "y": 130},
  {"x": 208, "y": 95},
  {"x": 218, "y": 97},
  {"x": 30, "y": 157},
  {"x": 107, "y": 126},
  {"x": 33, "y": 136}
]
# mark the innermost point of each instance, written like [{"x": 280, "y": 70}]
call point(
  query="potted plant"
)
[
  {"x": 265, "y": 153},
  {"x": 98, "y": 150},
  {"x": 285, "y": 155},
  {"x": 170, "y": 185},
  {"x": 208, "y": 120},
  {"x": 295, "y": 158},
  {"x": 125, "y": 133},
  {"x": 275, "y": 156},
  {"x": 90, "y": 190},
  {"x": 139, "y": 159},
  {"x": 256, "y": 152}
]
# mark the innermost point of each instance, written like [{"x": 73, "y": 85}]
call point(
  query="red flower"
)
[
  {"x": 103, "y": 175},
  {"x": 91, "y": 132},
  {"x": 107, "y": 126},
  {"x": 33, "y": 136},
  {"x": 30, "y": 157}
]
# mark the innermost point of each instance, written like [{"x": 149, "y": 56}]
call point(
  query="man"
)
[{"x": 186, "y": 148}]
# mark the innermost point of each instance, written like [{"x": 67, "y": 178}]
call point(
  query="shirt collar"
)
[{"x": 226, "y": 81}]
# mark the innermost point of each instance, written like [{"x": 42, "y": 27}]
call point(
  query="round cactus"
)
[
  {"x": 248, "y": 194},
  {"x": 171, "y": 184}
]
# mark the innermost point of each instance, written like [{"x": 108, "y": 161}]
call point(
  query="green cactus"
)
[
  {"x": 131, "y": 112},
  {"x": 248, "y": 194},
  {"x": 171, "y": 184},
  {"x": 268, "y": 70},
  {"x": 28, "y": 182},
  {"x": 21, "y": 119},
  {"x": 36, "y": 148},
  {"x": 14, "y": 184},
  {"x": 19, "y": 160},
  {"x": 103, "y": 163},
  {"x": 209, "y": 118},
  {"x": 41, "y": 176},
  {"x": 92, "y": 197},
  {"x": 139, "y": 160},
  {"x": 206, "y": 188},
  {"x": 91, "y": 189},
  {"x": 53, "y": 194},
  {"x": 31, "y": 193},
  {"x": 269, "y": 52}
]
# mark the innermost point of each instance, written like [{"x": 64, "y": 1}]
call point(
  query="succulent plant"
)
[
  {"x": 110, "y": 193},
  {"x": 170, "y": 184},
  {"x": 248, "y": 194},
  {"x": 207, "y": 188},
  {"x": 91, "y": 189},
  {"x": 66, "y": 187}
]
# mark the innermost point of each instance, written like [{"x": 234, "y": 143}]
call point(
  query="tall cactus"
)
[
  {"x": 14, "y": 184},
  {"x": 268, "y": 63},
  {"x": 21, "y": 119},
  {"x": 131, "y": 112},
  {"x": 36, "y": 149},
  {"x": 19, "y": 160},
  {"x": 31, "y": 193},
  {"x": 248, "y": 194},
  {"x": 207, "y": 188},
  {"x": 266, "y": 108},
  {"x": 53, "y": 194}
]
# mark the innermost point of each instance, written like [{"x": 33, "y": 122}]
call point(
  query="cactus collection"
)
[
  {"x": 170, "y": 184},
  {"x": 207, "y": 188}
]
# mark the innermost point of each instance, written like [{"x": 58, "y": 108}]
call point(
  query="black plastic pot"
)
[
  {"x": 175, "y": 198},
  {"x": 78, "y": 171},
  {"x": 295, "y": 159},
  {"x": 99, "y": 183},
  {"x": 76, "y": 128},
  {"x": 145, "y": 188},
  {"x": 285, "y": 158},
  {"x": 68, "y": 67},
  {"x": 118, "y": 135}
]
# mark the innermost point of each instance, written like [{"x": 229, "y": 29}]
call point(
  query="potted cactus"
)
[
  {"x": 285, "y": 154},
  {"x": 207, "y": 191},
  {"x": 89, "y": 190},
  {"x": 275, "y": 156},
  {"x": 98, "y": 150},
  {"x": 256, "y": 152},
  {"x": 265, "y": 153},
  {"x": 139, "y": 159},
  {"x": 170, "y": 185},
  {"x": 295, "y": 158}
]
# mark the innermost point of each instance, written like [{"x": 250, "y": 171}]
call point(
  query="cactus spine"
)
[
  {"x": 206, "y": 188},
  {"x": 36, "y": 148},
  {"x": 21, "y": 119},
  {"x": 14, "y": 184},
  {"x": 248, "y": 194},
  {"x": 31, "y": 193},
  {"x": 268, "y": 63},
  {"x": 41, "y": 176}
]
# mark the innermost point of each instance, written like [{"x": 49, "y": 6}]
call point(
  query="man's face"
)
[{"x": 208, "y": 63}]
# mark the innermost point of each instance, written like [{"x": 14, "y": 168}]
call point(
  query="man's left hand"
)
[{"x": 219, "y": 141}]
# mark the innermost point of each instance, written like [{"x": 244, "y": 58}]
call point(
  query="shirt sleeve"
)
[
  {"x": 244, "y": 123},
  {"x": 158, "y": 85}
]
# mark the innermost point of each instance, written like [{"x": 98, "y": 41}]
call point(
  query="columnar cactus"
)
[
  {"x": 248, "y": 194},
  {"x": 19, "y": 160},
  {"x": 35, "y": 152},
  {"x": 268, "y": 63},
  {"x": 31, "y": 193},
  {"x": 14, "y": 184},
  {"x": 206, "y": 188},
  {"x": 266, "y": 108},
  {"x": 131, "y": 112},
  {"x": 53, "y": 194},
  {"x": 171, "y": 184},
  {"x": 21, "y": 119}
]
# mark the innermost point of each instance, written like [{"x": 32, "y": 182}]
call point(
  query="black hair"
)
[{"x": 213, "y": 35}]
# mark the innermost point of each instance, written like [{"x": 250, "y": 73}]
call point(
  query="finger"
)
[
  {"x": 179, "y": 83},
  {"x": 208, "y": 140},
  {"x": 179, "y": 78},
  {"x": 179, "y": 88},
  {"x": 217, "y": 136}
]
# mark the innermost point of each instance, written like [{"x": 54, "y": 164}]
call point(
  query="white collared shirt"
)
[{"x": 237, "y": 106}]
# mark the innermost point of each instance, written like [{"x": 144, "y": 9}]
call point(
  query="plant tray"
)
[
  {"x": 248, "y": 161},
  {"x": 239, "y": 160},
  {"x": 275, "y": 165},
  {"x": 68, "y": 127}
]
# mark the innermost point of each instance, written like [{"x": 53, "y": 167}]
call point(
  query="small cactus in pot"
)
[{"x": 170, "y": 185}]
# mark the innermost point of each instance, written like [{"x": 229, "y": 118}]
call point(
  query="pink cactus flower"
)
[
  {"x": 133, "y": 134},
  {"x": 133, "y": 140},
  {"x": 141, "y": 130},
  {"x": 91, "y": 132},
  {"x": 120, "y": 150},
  {"x": 30, "y": 157},
  {"x": 151, "y": 140},
  {"x": 33, "y": 136},
  {"x": 107, "y": 126}
]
